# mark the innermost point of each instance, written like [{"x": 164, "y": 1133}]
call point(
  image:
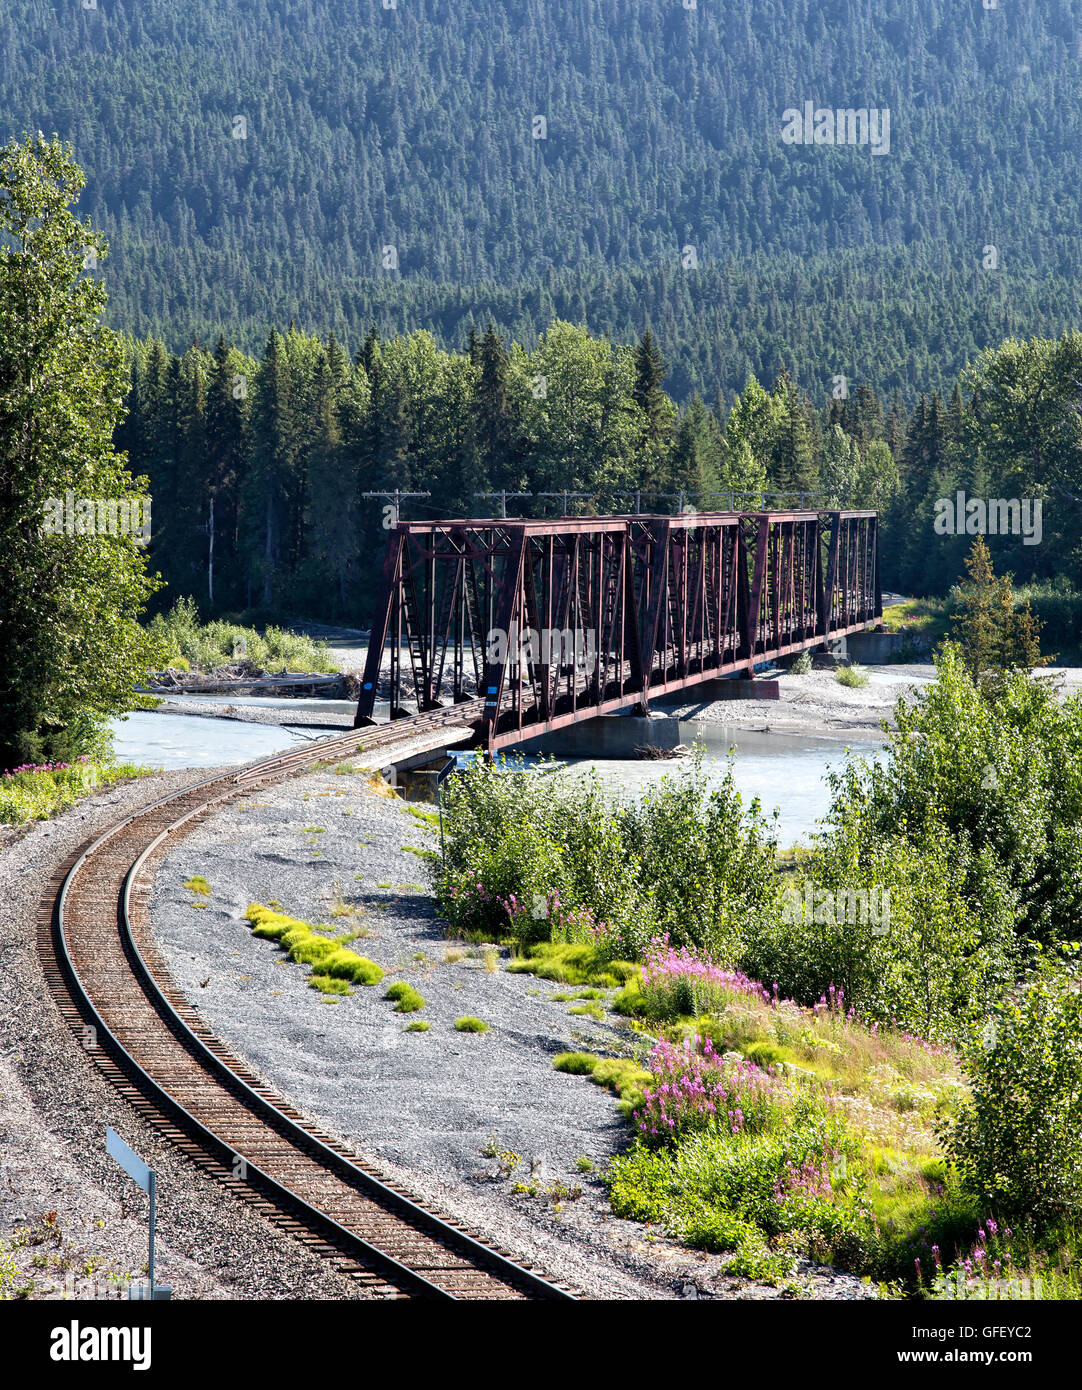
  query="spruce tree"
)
[
  {"x": 227, "y": 458},
  {"x": 656, "y": 410},
  {"x": 273, "y": 456}
]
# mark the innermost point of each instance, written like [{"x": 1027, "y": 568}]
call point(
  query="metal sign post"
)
[{"x": 147, "y": 1179}]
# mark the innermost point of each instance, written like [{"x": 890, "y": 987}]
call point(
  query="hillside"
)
[{"x": 252, "y": 162}]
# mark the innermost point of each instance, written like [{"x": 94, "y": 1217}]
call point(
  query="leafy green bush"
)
[
  {"x": 935, "y": 952},
  {"x": 1018, "y": 1140},
  {"x": 187, "y": 642},
  {"x": 546, "y": 860},
  {"x": 1000, "y": 781}
]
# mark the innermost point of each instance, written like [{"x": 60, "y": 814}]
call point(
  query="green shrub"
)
[
  {"x": 1018, "y": 1139},
  {"x": 189, "y": 643},
  {"x": 417, "y": 1026},
  {"x": 998, "y": 780},
  {"x": 721, "y": 1191},
  {"x": 547, "y": 861},
  {"x": 802, "y": 665},
  {"x": 853, "y": 676},
  {"x": 468, "y": 1024},
  {"x": 408, "y": 1000},
  {"x": 935, "y": 952}
]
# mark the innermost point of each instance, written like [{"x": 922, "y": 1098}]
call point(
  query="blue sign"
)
[{"x": 128, "y": 1159}]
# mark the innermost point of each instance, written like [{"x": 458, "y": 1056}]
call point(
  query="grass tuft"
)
[
  {"x": 468, "y": 1024},
  {"x": 408, "y": 1000},
  {"x": 328, "y": 984},
  {"x": 575, "y": 1063},
  {"x": 328, "y": 955},
  {"x": 852, "y": 676}
]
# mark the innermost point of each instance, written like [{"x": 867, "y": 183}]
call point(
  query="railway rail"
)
[{"x": 115, "y": 991}]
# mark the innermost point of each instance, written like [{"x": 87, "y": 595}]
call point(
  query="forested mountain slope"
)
[{"x": 253, "y": 161}]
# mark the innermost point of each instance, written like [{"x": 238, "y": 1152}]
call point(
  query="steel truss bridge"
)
[{"x": 539, "y": 624}]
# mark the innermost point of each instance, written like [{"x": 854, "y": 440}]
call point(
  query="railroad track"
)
[{"x": 115, "y": 991}]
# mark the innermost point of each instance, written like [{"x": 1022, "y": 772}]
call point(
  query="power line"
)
[
  {"x": 566, "y": 494},
  {"x": 503, "y": 496},
  {"x": 397, "y": 495}
]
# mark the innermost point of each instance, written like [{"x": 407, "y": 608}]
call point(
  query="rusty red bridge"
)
[{"x": 538, "y": 624}]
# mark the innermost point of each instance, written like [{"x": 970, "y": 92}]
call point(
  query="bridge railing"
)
[{"x": 553, "y": 621}]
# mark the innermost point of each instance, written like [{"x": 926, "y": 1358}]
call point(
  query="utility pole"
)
[
  {"x": 397, "y": 495},
  {"x": 503, "y": 496}
]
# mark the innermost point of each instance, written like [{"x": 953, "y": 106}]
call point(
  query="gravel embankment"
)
[
  {"x": 425, "y": 1106},
  {"x": 815, "y": 704},
  {"x": 54, "y": 1107}
]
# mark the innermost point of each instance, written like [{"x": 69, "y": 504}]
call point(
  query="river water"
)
[
  {"x": 174, "y": 741},
  {"x": 786, "y": 771}
]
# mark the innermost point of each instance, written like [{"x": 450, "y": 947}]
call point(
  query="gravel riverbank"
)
[{"x": 443, "y": 1111}]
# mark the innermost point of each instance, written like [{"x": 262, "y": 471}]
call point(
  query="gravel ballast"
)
[
  {"x": 459, "y": 1118},
  {"x": 69, "y": 1217}
]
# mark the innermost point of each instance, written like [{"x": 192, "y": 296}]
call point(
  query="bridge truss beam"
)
[{"x": 555, "y": 621}]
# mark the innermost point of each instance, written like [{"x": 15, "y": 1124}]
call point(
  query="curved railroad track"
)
[{"x": 115, "y": 991}]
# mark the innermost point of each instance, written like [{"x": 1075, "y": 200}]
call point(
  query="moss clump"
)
[
  {"x": 198, "y": 884},
  {"x": 327, "y": 955},
  {"x": 408, "y": 1000},
  {"x": 417, "y": 1026},
  {"x": 468, "y": 1024},
  {"x": 326, "y": 984},
  {"x": 575, "y": 1063}
]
